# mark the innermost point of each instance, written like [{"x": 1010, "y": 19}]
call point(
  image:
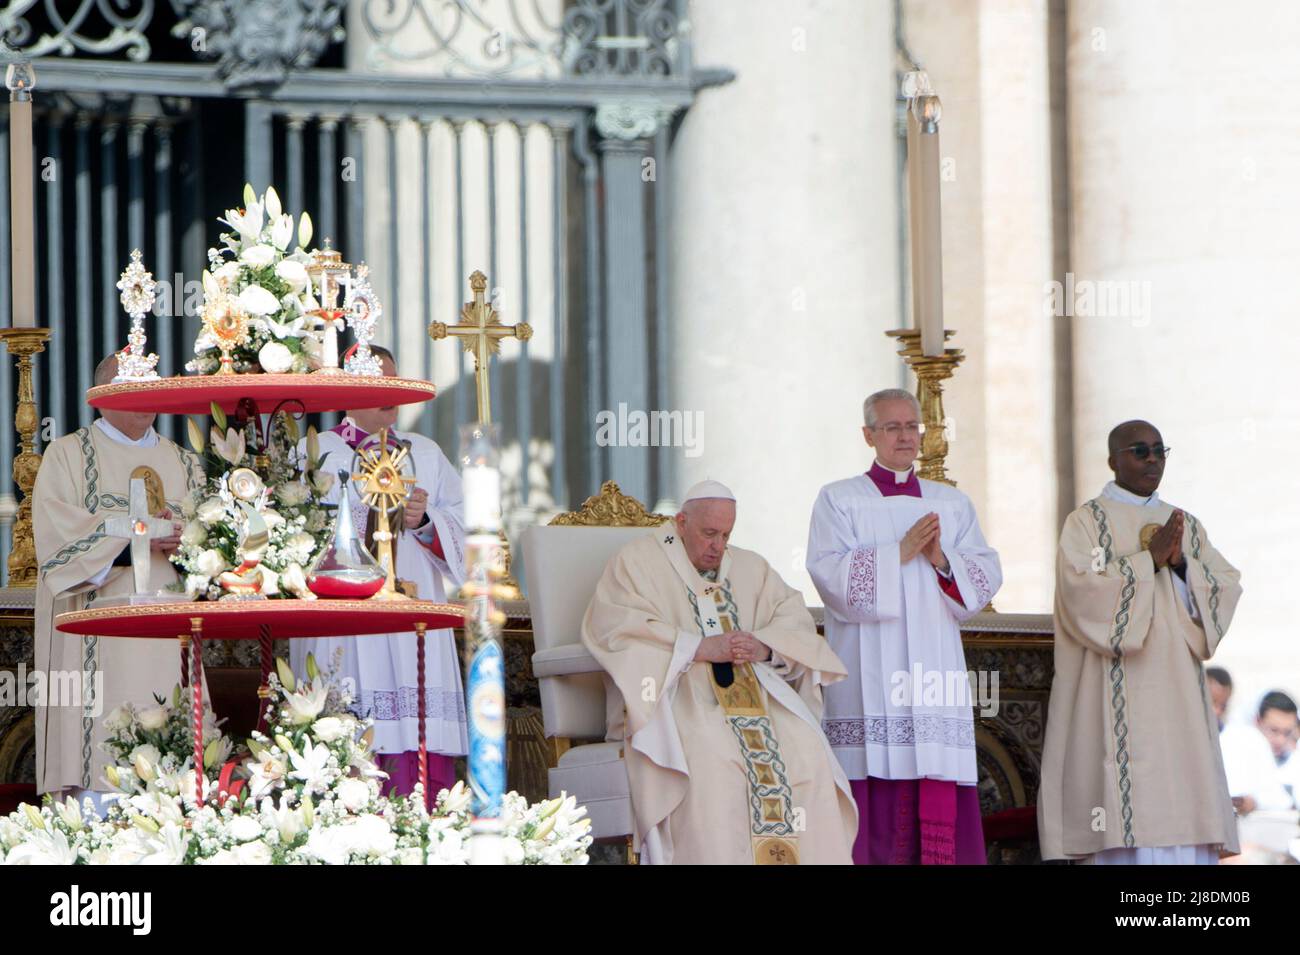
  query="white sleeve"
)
[{"x": 1186, "y": 596}]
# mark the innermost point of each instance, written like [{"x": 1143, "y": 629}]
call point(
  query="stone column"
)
[
  {"x": 989, "y": 64},
  {"x": 784, "y": 257},
  {"x": 1184, "y": 209}
]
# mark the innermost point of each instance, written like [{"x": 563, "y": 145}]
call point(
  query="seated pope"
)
[{"x": 720, "y": 668}]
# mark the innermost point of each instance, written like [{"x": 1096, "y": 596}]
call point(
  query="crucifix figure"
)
[
  {"x": 481, "y": 332},
  {"x": 139, "y": 527}
]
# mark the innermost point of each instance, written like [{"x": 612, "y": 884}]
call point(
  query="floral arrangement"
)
[
  {"x": 306, "y": 792},
  {"x": 255, "y": 280},
  {"x": 260, "y": 518}
]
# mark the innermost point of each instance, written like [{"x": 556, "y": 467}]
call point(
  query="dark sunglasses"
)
[{"x": 1142, "y": 450}]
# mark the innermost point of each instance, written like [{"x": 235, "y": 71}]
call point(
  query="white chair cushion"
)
[
  {"x": 596, "y": 776},
  {"x": 564, "y": 566},
  {"x": 564, "y": 661}
]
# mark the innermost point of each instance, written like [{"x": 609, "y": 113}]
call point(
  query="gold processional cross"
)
[{"x": 481, "y": 332}]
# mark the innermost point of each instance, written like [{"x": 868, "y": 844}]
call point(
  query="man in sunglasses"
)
[{"x": 1132, "y": 771}]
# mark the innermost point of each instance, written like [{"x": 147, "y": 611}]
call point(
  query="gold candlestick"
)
[
  {"x": 24, "y": 343},
  {"x": 931, "y": 371}
]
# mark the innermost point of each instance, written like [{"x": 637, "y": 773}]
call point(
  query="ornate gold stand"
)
[
  {"x": 931, "y": 372},
  {"x": 23, "y": 343}
]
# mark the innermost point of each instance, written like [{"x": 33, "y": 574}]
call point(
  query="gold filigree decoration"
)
[{"x": 610, "y": 508}]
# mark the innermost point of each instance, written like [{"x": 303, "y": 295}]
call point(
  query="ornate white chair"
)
[{"x": 582, "y": 712}]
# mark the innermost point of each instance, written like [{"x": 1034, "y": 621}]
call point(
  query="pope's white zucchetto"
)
[{"x": 709, "y": 491}]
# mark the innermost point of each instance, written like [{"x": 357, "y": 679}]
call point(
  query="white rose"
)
[
  {"x": 119, "y": 719},
  {"x": 512, "y": 850},
  {"x": 256, "y": 300},
  {"x": 292, "y": 493},
  {"x": 152, "y": 718},
  {"x": 257, "y": 256},
  {"x": 331, "y": 844},
  {"x": 294, "y": 581},
  {"x": 227, "y": 275},
  {"x": 244, "y": 828},
  {"x": 354, "y": 794},
  {"x": 411, "y": 856},
  {"x": 194, "y": 534},
  {"x": 372, "y": 835},
  {"x": 211, "y": 510},
  {"x": 275, "y": 358},
  {"x": 244, "y": 484},
  {"x": 293, "y": 274},
  {"x": 211, "y": 563},
  {"x": 328, "y": 729},
  {"x": 303, "y": 543},
  {"x": 253, "y": 853},
  {"x": 148, "y": 750},
  {"x": 322, "y": 481}
]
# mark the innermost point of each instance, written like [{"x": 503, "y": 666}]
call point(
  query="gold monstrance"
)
[{"x": 383, "y": 487}]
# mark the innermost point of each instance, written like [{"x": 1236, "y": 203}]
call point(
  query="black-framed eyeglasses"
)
[{"x": 1142, "y": 450}]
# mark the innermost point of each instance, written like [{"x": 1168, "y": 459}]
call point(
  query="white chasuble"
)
[
  {"x": 738, "y": 777},
  {"x": 84, "y": 479},
  {"x": 1131, "y": 759},
  {"x": 905, "y": 711},
  {"x": 383, "y": 667}
]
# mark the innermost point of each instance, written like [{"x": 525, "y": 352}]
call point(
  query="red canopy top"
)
[
  {"x": 194, "y": 394},
  {"x": 243, "y": 619}
]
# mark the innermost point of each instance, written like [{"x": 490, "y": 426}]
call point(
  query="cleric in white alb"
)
[
  {"x": 429, "y": 547},
  {"x": 900, "y": 562}
]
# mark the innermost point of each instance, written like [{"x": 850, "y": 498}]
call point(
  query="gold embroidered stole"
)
[{"x": 744, "y": 706}]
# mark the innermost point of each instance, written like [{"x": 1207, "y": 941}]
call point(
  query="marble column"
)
[
  {"x": 784, "y": 257},
  {"x": 1184, "y": 144}
]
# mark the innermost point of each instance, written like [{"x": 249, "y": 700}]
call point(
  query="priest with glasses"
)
[{"x": 1132, "y": 772}]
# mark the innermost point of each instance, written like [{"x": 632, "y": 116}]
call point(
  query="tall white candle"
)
[
  {"x": 927, "y": 225},
  {"x": 20, "y": 78}
]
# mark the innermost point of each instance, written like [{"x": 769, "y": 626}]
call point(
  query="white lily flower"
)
[
  {"x": 281, "y": 231},
  {"x": 167, "y": 847},
  {"x": 43, "y": 847},
  {"x": 311, "y": 766},
  {"x": 285, "y": 819},
  {"x": 306, "y": 704},
  {"x": 267, "y": 772},
  {"x": 70, "y": 813},
  {"x": 247, "y": 223},
  {"x": 294, "y": 328},
  {"x": 271, "y": 200},
  {"x": 232, "y": 447}
]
